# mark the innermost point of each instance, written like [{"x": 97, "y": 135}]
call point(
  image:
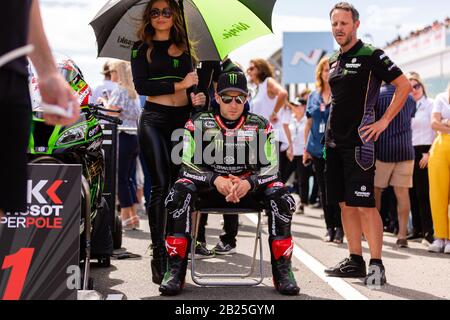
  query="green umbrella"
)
[{"x": 215, "y": 27}]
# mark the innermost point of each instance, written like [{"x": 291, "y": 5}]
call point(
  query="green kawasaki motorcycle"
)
[{"x": 80, "y": 143}]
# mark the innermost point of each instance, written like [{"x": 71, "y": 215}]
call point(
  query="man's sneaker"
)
[
  {"x": 202, "y": 251},
  {"x": 428, "y": 239},
  {"x": 347, "y": 268},
  {"x": 300, "y": 209},
  {"x": 339, "y": 236},
  {"x": 317, "y": 205},
  {"x": 447, "y": 247},
  {"x": 224, "y": 248},
  {"x": 437, "y": 246},
  {"x": 391, "y": 228},
  {"x": 402, "y": 243},
  {"x": 376, "y": 276},
  {"x": 414, "y": 236},
  {"x": 329, "y": 236}
]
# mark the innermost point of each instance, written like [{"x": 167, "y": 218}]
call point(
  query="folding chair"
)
[{"x": 228, "y": 279}]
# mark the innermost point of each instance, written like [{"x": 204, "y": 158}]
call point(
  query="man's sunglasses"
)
[
  {"x": 239, "y": 99},
  {"x": 417, "y": 86},
  {"x": 156, "y": 13}
]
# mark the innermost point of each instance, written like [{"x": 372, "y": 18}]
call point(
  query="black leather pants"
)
[{"x": 156, "y": 126}]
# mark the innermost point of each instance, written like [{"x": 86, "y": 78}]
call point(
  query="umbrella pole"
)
[{"x": 181, "y": 4}]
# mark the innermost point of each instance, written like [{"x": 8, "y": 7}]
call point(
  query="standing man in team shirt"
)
[{"x": 356, "y": 73}]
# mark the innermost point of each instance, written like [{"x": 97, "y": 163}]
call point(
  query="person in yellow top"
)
[{"x": 439, "y": 174}]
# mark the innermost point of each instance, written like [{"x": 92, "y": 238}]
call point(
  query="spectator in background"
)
[
  {"x": 317, "y": 112},
  {"x": 104, "y": 90},
  {"x": 395, "y": 158},
  {"x": 439, "y": 173},
  {"x": 126, "y": 99},
  {"x": 269, "y": 102},
  {"x": 314, "y": 198},
  {"x": 304, "y": 94},
  {"x": 302, "y": 172},
  {"x": 388, "y": 210},
  {"x": 422, "y": 138}
]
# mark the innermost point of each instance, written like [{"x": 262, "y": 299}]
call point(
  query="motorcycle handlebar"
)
[
  {"x": 108, "y": 110},
  {"x": 109, "y": 119},
  {"x": 99, "y": 107},
  {"x": 95, "y": 105}
]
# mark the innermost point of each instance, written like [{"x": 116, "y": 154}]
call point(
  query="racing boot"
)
[
  {"x": 174, "y": 278},
  {"x": 158, "y": 263},
  {"x": 283, "y": 278}
]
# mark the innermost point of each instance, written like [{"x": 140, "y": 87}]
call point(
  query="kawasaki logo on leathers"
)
[{"x": 35, "y": 190}]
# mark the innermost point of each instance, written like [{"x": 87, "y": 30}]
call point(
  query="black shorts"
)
[
  {"x": 15, "y": 108},
  {"x": 350, "y": 174}
]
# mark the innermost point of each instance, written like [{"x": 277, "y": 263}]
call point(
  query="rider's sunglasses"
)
[
  {"x": 227, "y": 99},
  {"x": 156, "y": 13}
]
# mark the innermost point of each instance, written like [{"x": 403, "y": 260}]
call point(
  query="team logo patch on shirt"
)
[
  {"x": 229, "y": 160},
  {"x": 242, "y": 133},
  {"x": 210, "y": 124},
  {"x": 353, "y": 64},
  {"x": 250, "y": 128}
]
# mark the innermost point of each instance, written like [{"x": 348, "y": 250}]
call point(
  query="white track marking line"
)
[{"x": 340, "y": 286}]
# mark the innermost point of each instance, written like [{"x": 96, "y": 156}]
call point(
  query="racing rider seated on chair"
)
[{"x": 229, "y": 160}]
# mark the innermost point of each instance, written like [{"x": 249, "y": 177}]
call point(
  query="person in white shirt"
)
[
  {"x": 302, "y": 172},
  {"x": 106, "y": 87},
  {"x": 269, "y": 102},
  {"x": 126, "y": 99},
  {"x": 422, "y": 138},
  {"x": 439, "y": 173}
]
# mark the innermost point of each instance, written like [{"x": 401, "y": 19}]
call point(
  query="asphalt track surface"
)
[{"x": 412, "y": 273}]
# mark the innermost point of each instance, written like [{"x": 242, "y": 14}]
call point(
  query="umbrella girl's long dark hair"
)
[{"x": 146, "y": 32}]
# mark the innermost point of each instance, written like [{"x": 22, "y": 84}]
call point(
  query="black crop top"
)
[{"x": 158, "y": 77}]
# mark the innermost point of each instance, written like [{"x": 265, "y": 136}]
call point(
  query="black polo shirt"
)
[
  {"x": 355, "y": 80},
  {"x": 14, "y": 22}
]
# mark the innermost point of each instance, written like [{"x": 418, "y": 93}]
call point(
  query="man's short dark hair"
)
[{"x": 347, "y": 7}]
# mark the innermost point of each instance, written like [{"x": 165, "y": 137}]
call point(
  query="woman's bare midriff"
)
[{"x": 178, "y": 99}]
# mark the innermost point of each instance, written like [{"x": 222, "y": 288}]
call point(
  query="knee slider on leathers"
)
[
  {"x": 181, "y": 198},
  {"x": 280, "y": 202}
]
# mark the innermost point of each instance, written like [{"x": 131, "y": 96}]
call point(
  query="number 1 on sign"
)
[{"x": 20, "y": 263}]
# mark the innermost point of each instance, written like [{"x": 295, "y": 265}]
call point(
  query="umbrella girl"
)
[{"x": 162, "y": 71}]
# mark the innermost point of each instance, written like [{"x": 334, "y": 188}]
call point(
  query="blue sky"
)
[{"x": 66, "y": 23}]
